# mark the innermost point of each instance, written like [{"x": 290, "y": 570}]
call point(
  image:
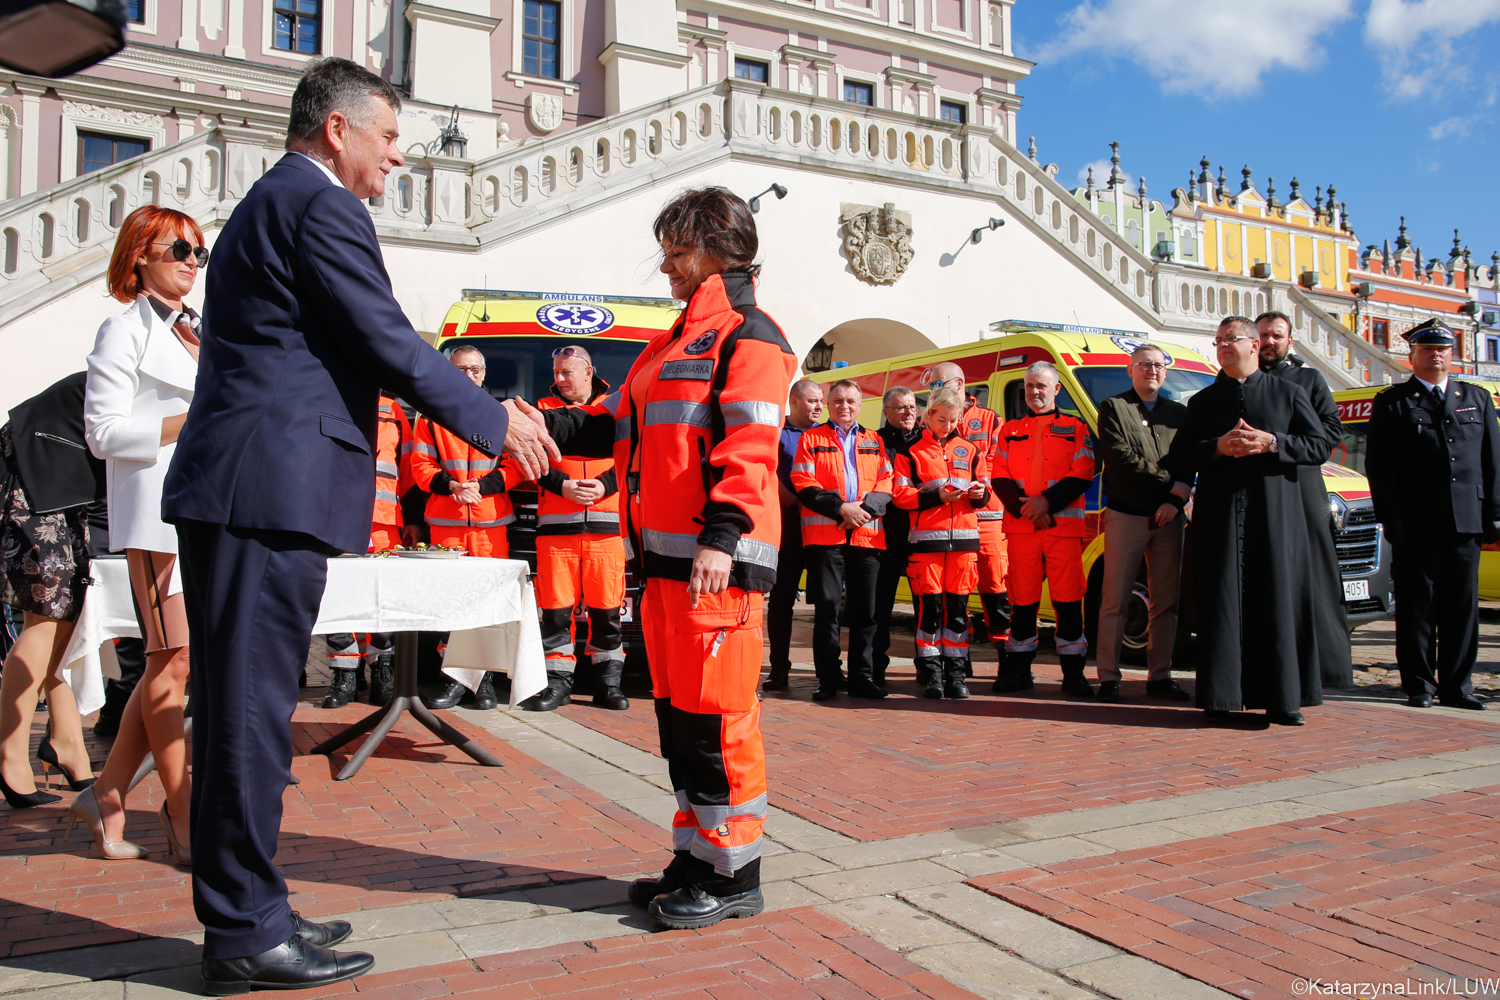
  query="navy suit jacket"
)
[{"x": 300, "y": 334}]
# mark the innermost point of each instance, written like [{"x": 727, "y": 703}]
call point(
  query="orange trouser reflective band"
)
[
  {"x": 572, "y": 568},
  {"x": 384, "y": 536},
  {"x": 942, "y": 582},
  {"x": 993, "y": 558},
  {"x": 705, "y": 667},
  {"x": 1038, "y": 554},
  {"x": 492, "y": 542}
]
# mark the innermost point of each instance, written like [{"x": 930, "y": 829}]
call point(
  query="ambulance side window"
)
[{"x": 981, "y": 393}]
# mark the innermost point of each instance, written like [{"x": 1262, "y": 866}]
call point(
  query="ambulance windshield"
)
[
  {"x": 522, "y": 366},
  {"x": 1101, "y": 382}
]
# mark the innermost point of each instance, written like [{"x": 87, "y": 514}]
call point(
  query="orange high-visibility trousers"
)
[
  {"x": 492, "y": 542},
  {"x": 993, "y": 559},
  {"x": 1049, "y": 554},
  {"x": 573, "y": 568},
  {"x": 384, "y": 536},
  {"x": 705, "y": 667},
  {"x": 942, "y": 582}
]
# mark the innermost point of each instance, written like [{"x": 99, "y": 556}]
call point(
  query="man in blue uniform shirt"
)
[{"x": 1433, "y": 461}]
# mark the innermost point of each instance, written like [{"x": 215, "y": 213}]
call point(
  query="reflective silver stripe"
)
[
  {"x": 951, "y": 637},
  {"x": 507, "y": 519},
  {"x": 955, "y": 482},
  {"x": 610, "y": 521},
  {"x": 888, "y": 468},
  {"x": 726, "y": 860},
  {"x": 405, "y": 449},
  {"x": 804, "y": 467},
  {"x": 1069, "y": 512},
  {"x": 750, "y": 411},
  {"x": 902, "y": 481},
  {"x": 484, "y": 464},
  {"x": 955, "y": 534},
  {"x": 676, "y": 411},
  {"x": 443, "y": 522},
  {"x": 455, "y": 465},
  {"x": 712, "y": 816},
  {"x": 587, "y": 517},
  {"x": 606, "y": 655},
  {"x": 575, "y": 518},
  {"x": 682, "y": 837},
  {"x": 874, "y": 525},
  {"x": 424, "y": 448},
  {"x": 817, "y": 519},
  {"x": 1066, "y": 647},
  {"x": 1014, "y": 645},
  {"x": 386, "y": 495},
  {"x": 990, "y": 515},
  {"x": 611, "y": 402},
  {"x": 927, "y": 651},
  {"x": 756, "y": 553},
  {"x": 622, "y": 428},
  {"x": 669, "y": 543},
  {"x": 387, "y": 469}
]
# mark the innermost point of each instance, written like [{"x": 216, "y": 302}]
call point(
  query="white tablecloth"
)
[{"x": 487, "y": 605}]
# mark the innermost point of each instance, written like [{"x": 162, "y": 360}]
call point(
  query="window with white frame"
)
[
  {"x": 540, "y": 35},
  {"x": 953, "y": 111},
  {"x": 297, "y": 26},
  {"x": 857, "y": 92}
]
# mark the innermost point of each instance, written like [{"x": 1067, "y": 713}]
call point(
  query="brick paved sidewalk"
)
[
  {"x": 1386, "y": 895},
  {"x": 797, "y": 954}
]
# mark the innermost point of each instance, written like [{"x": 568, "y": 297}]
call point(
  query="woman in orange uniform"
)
[
  {"x": 942, "y": 478},
  {"x": 694, "y": 431}
]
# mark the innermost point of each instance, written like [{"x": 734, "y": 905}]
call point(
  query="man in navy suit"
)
[{"x": 300, "y": 334}]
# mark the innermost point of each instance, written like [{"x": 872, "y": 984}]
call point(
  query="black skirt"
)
[{"x": 45, "y": 556}]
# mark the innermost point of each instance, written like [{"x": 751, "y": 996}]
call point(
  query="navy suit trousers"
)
[{"x": 252, "y": 598}]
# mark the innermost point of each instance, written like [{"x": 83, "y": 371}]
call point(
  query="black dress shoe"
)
[
  {"x": 323, "y": 935},
  {"x": 293, "y": 965},
  {"x": 690, "y": 907},
  {"x": 1109, "y": 691},
  {"x": 774, "y": 683},
  {"x": 1167, "y": 689},
  {"x": 825, "y": 693},
  {"x": 1419, "y": 700},
  {"x": 1078, "y": 687},
  {"x": 611, "y": 698},
  {"x": 866, "y": 689},
  {"x": 1286, "y": 718},
  {"x": 1464, "y": 701},
  {"x": 448, "y": 697}
]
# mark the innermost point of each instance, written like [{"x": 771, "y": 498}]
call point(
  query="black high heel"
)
[
  {"x": 16, "y": 800},
  {"x": 48, "y": 756}
]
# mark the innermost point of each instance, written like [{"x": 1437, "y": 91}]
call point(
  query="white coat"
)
[{"x": 139, "y": 374}]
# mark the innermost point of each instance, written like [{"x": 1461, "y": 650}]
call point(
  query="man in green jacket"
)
[{"x": 1142, "y": 517}]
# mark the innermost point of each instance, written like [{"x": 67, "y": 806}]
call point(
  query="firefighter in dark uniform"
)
[{"x": 1433, "y": 461}]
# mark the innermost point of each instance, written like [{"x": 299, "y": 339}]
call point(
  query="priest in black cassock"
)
[
  {"x": 1331, "y": 619},
  {"x": 1248, "y": 437}
]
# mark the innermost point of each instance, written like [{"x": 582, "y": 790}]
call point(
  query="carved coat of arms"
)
[
  {"x": 877, "y": 241},
  {"x": 546, "y": 111}
]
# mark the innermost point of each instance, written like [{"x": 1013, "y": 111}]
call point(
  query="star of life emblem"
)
[{"x": 576, "y": 318}]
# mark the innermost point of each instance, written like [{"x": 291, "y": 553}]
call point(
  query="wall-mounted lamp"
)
[
  {"x": 992, "y": 225},
  {"x": 779, "y": 191}
]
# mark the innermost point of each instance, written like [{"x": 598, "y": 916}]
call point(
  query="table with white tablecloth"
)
[{"x": 487, "y": 606}]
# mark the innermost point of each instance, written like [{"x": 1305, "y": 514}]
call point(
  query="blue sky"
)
[{"x": 1393, "y": 101}]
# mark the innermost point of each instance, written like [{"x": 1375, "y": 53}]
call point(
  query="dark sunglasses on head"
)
[
  {"x": 181, "y": 248},
  {"x": 567, "y": 352}
]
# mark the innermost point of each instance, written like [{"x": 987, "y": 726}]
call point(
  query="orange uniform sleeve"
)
[
  {"x": 903, "y": 486},
  {"x": 404, "y": 480},
  {"x": 755, "y": 384},
  {"x": 425, "y": 461}
]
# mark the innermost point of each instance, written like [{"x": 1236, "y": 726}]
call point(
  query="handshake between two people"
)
[{"x": 526, "y": 441}]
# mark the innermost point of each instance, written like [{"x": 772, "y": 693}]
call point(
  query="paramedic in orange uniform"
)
[
  {"x": 580, "y": 555},
  {"x": 980, "y": 426},
  {"x": 468, "y": 507},
  {"x": 1043, "y": 467},
  {"x": 377, "y": 650},
  {"x": 694, "y": 431},
  {"x": 941, "y": 479}
]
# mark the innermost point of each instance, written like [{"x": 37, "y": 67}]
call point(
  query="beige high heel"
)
[
  {"x": 85, "y": 808},
  {"x": 182, "y": 855}
]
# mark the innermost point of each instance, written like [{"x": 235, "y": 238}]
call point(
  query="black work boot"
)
[
  {"x": 559, "y": 692},
  {"x": 451, "y": 694},
  {"x": 383, "y": 678},
  {"x": 607, "y": 693},
  {"x": 692, "y": 907},
  {"x": 953, "y": 679},
  {"x": 484, "y": 695},
  {"x": 1015, "y": 673},
  {"x": 643, "y": 890},
  {"x": 1073, "y": 681},
  {"x": 930, "y": 676},
  {"x": 341, "y": 690}
]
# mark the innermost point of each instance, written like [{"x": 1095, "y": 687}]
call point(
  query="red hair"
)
[{"x": 146, "y": 225}]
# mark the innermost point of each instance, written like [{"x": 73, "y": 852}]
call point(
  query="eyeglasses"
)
[
  {"x": 1151, "y": 366},
  {"x": 181, "y": 249},
  {"x": 905, "y": 409},
  {"x": 471, "y": 369},
  {"x": 1229, "y": 341},
  {"x": 568, "y": 352}
]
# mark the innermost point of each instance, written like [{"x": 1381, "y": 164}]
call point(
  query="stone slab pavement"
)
[{"x": 1079, "y": 851}]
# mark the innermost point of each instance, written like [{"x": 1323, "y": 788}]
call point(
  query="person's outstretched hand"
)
[{"x": 527, "y": 440}]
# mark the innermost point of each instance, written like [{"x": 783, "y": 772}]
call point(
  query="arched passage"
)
[{"x": 861, "y": 340}]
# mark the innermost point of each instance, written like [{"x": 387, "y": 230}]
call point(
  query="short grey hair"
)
[
  {"x": 468, "y": 349},
  {"x": 335, "y": 84},
  {"x": 1041, "y": 368},
  {"x": 799, "y": 388},
  {"x": 894, "y": 393}
]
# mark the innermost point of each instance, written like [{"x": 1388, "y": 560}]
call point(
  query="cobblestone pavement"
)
[{"x": 1030, "y": 846}]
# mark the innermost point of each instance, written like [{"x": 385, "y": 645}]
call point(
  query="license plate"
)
[
  {"x": 627, "y": 610},
  {"x": 1356, "y": 590}
]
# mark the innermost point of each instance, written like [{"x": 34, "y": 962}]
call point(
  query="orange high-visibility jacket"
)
[
  {"x": 695, "y": 430},
  {"x": 1051, "y": 455},
  {"x": 818, "y": 478},
  {"x": 393, "y": 442},
  {"x": 441, "y": 460},
  {"x": 555, "y": 513},
  {"x": 921, "y": 473},
  {"x": 981, "y": 427}
]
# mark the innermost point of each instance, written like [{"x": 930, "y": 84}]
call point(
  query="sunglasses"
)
[
  {"x": 181, "y": 249},
  {"x": 568, "y": 352}
]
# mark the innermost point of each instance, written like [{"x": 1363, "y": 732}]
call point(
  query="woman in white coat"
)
[{"x": 140, "y": 382}]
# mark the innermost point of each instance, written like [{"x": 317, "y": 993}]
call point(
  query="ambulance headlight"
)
[{"x": 1338, "y": 510}]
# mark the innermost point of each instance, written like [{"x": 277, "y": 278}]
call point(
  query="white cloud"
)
[
  {"x": 1218, "y": 47},
  {"x": 1416, "y": 40},
  {"x": 1101, "y": 168},
  {"x": 1458, "y": 125}
]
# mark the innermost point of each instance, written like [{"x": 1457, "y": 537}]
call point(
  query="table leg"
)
[{"x": 404, "y": 699}]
